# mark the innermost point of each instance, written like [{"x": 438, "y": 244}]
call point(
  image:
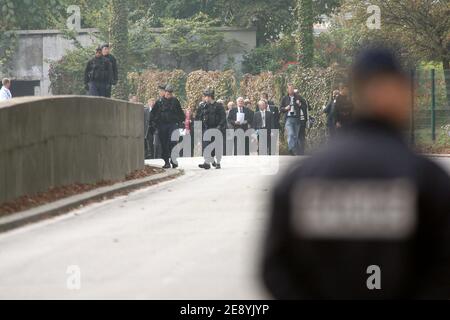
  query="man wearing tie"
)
[
  {"x": 272, "y": 109},
  {"x": 5, "y": 93},
  {"x": 241, "y": 118},
  {"x": 263, "y": 125}
]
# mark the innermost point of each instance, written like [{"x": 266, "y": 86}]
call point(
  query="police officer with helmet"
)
[
  {"x": 168, "y": 116},
  {"x": 213, "y": 116}
]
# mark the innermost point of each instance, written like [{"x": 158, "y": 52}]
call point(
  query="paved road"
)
[{"x": 197, "y": 237}]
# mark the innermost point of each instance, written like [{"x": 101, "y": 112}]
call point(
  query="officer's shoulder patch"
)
[{"x": 358, "y": 209}]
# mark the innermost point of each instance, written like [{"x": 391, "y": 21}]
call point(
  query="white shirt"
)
[
  {"x": 263, "y": 116},
  {"x": 5, "y": 94}
]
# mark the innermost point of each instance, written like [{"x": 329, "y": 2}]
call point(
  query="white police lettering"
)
[{"x": 367, "y": 209}]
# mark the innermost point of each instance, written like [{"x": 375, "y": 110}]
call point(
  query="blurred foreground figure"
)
[{"x": 366, "y": 218}]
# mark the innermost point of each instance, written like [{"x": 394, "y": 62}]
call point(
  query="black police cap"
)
[
  {"x": 375, "y": 61},
  {"x": 208, "y": 93}
]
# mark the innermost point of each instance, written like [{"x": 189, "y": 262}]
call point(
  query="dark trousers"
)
[
  {"x": 267, "y": 152},
  {"x": 216, "y": 155},
  {"x": 246, "y": 150},
  {"x": 97, "y": 89},
  {"x": 165, "y": 135},
  {"x": 108, "y": 92},
  {"x": 302, "y": 139},
  {"x": 147, "y": 148}
]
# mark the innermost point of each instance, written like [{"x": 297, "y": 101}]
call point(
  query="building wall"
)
[
  {"x": 37, "y": 48},
  {"x": 58, "y": 141}
]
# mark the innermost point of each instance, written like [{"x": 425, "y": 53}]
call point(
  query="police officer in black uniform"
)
[
  {"x": 115, "y": 76},
  {"x": 167, "y": 116},
  {"x": 213, "y": 116},
  {"x": 366, "y": 218},
  {"x": 343, "y": 108},
  {"x": 98, "y": 75}
]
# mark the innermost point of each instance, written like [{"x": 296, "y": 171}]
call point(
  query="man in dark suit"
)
[
  {"x": 264, "y": 123},
  {"x": 273, "y": 109},
  {"x": 241, "y": 118}
]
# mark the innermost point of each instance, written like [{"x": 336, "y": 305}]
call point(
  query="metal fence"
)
[{"x": 430, "y": 121}]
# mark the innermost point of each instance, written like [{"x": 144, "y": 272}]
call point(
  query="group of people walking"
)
[{"x": 164, "y": 116}]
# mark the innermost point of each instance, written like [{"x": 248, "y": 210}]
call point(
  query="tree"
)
[
  {"x": 420, "y": 29},
  {"x": 191, "y": 40},
  {"x": 305, "y": 32},
  {"x": 119, "y": 39}
]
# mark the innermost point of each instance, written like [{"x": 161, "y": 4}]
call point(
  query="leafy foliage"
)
[
  {"x": 270, "y": 57},
  {"x": 315, "y": 85},
  {"x": 224, "y": 84},
  {"x": 119, "y": 39},
  {"x": 191, "y": 40},
  {"x": 147, "y": 83},
  {"x": 305, "y": 33},
  {"x": 67, "y": 75}
]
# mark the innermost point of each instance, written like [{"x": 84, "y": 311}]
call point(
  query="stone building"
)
[{"x": 37, "y": 48}]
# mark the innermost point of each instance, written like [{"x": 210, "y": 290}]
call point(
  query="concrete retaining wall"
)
[{"x": 62, "y": 140}]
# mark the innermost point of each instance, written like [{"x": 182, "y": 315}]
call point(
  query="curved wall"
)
[{"x": 62, "y": 140}]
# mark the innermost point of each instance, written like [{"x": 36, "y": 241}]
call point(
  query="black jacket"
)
[
  {"x": 343, "y": 110},
  {"x": 386, "y": 206},
  {"x": 300, "y": 104},
  {"x": 330, "y": 112},
  {"x": 98, "y": 70},
  {"x": 276, "y": 114},
  {"x": 167, "y": 111},
  {"x": 257, "y": 121},
  {"x": 248, "y": 117},
  {"x": 115, "y": 75},
  {"x": 212, "y": 116}
]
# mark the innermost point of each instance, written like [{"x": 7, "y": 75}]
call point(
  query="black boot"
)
[
  {"x": 174, "y": 165},
  {"x": 214, "y": 164},
  {"x": 167, "y": 165},
  {"x": 205, "y": 166},
  {"x": 218, "y": 166}
]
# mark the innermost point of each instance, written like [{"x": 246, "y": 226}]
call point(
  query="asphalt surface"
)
[{"x": 197, "y": 237}]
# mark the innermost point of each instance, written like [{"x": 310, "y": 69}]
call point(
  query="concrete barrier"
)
[{"x": 61, "y": 140}]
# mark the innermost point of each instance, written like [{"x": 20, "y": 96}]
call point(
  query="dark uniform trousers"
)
[
  {"x": 217, "y": 153},
  {"x": 108, "y": 91},
  {"x": 165, "y": 135},
  {"x": 98, "y": 89},
  {"x": 302, "y": 138},
  {"x": 153, "y": 146}
]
